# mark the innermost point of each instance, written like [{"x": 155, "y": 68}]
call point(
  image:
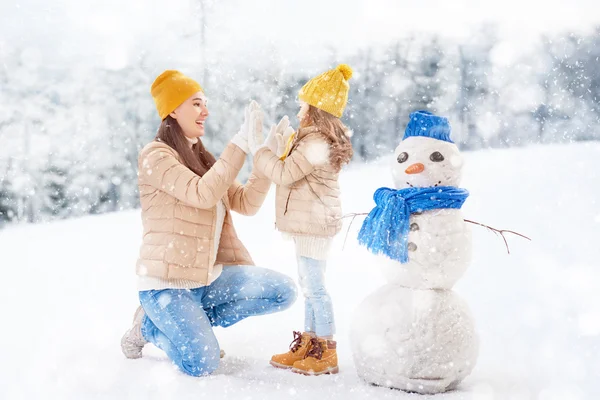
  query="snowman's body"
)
[
  {"x": 415, "y": 333},
  {"x": 439, "y": 245},
  {"x": 416, "y": 340}
]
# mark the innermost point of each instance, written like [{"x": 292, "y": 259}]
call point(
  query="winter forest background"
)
[{"x": 75, "y": 107}]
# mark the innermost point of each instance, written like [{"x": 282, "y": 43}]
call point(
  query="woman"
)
[{"x": 194, "y": 272}]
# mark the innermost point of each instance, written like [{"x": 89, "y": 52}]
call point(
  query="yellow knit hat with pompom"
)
[
  {"x": 328, "y": 91},
  {"x": 171, "y": 89}
]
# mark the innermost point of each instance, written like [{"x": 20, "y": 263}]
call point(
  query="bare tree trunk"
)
[
  {"x": 462, "y": 95},
  {"x": 203, "y": 22},
  {"x": 30, "y": 195}
]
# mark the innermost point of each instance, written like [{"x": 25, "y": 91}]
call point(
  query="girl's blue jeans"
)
[{"x": 318, "y": 315}]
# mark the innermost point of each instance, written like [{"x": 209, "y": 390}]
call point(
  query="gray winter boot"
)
[{"x": 132, "y": 341}]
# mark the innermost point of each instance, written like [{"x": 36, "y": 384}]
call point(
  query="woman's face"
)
[
  {"x": 302, "y": 114},
  {"x": 191, "y": 115}
]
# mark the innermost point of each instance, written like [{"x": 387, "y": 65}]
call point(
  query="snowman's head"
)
[{"x": 426, "y": 156}]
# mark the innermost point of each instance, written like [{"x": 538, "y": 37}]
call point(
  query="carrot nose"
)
[{"x": 415, "y": 168}]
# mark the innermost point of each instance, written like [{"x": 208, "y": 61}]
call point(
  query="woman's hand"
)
[
  {"x": 255, "y": 132},
  {"x": 241, "y": 138}
]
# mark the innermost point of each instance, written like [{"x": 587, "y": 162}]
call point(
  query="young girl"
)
[
  {"x": 193, "y": 271},
  {"x": 308, "y": 208}
]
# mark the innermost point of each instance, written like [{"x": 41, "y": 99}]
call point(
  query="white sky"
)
[{"x": 114, "y": 32}]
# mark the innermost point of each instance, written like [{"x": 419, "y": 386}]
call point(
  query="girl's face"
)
[
  {"x": 191, "y": 115},
  {"x": 303, "y": 113}
]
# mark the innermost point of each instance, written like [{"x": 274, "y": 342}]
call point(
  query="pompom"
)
[{"x": 346, "y": 70}]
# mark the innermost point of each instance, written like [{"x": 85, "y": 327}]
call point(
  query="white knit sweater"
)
[{"x": 311, "y": 246}]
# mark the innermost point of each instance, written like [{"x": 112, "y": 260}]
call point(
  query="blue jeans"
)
[
  {"x": 180, "y": 321},
  {"x": 318, "y": 314}
]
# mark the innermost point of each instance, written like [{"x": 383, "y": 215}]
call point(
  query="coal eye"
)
[
  {"x": 402, "y": 157},
  {"x": 436, "y": 156}
]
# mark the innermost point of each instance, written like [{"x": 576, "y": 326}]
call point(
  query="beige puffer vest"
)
[
  {"x": 308, "y": 195},
  {"x": 179, "y": 213}
]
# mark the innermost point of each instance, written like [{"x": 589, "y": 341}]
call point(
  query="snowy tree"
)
[
  {"x": 365, "y": 111},
  {"x": 55, "y": 200},
  {"x": 8, "y": 197},
  {"x": 398, "y": 85},
  {"x": 132, "y": 123},
  {"x": 573, "y": 61},
  {"x": 23, "y": 128},
  {"x": 425, "y": 76},
  {"x": 476, "y": 99}
]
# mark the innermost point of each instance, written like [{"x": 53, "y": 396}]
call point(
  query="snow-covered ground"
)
[{"x": 69, "y": 294}]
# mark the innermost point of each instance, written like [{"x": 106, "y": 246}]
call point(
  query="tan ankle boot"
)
[
  {"x": 298, "y": 349},
  {"x": 320, "y": 359}
]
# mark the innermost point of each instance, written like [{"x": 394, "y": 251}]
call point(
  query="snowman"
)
[{"x": 415, "y": 333}]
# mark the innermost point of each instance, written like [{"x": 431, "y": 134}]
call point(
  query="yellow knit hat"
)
[
  {"x": 328, "y": 91},
  {"x": 171, "y": 89}
]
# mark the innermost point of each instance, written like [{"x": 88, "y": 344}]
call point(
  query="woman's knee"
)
[
  {"x": 200, "y": 361},
  {"x": 287, "y": 292}
]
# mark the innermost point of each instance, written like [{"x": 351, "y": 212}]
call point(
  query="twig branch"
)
[
  {"x": 500, "y": 232},
  {"x": 353, "y": 215}
]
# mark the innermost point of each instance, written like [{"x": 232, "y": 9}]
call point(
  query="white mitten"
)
[
  {"x": 241, "y": 138},
  {"x": 276, "y": 134},
  {"x": 271, "y": 141},
  {"x": 283, "y": 142},
  {"x": 255, "y": 134}
]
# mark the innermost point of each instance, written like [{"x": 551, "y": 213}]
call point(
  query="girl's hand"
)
[
  {"x": 275, "y": 139},
  {"x": 283, "y": 142}
]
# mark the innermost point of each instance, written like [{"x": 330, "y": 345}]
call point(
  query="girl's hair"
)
[
  {"x": 335, "y": 132},
  {"x": 196, "y": 158}
]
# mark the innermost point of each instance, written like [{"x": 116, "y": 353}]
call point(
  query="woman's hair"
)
[
  {"x": 335, "y": 132},
  {"x": 196, "y": 158}
]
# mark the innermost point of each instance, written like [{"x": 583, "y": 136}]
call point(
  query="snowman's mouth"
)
[{"x": 439, "y": 183}]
